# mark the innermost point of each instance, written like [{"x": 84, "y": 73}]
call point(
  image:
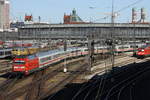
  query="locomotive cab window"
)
[
  {"x": 45, "y": 59},
  {"x": 31, "y": 57}
]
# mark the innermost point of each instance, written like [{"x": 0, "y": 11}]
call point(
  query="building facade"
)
[
  {"x": 73, "y": 18},
  {"x": 4, "y": 14}
]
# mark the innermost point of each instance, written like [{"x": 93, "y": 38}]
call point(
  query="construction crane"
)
[{"x": 117, "y": 13}]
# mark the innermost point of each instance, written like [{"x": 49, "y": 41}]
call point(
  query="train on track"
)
[
  {"x": 144, "y": 51},
  {"x": 27, "y": 64},
  {"x": 5, "y": 52},
  {"x": 30, "y": 63},
  {"x": 11, "y": 52},
  {"x": 24, "y": 50}
]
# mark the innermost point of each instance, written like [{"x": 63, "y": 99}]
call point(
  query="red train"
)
[
  {"x": 143, "y": 51},
  {"x": 30, "y": 63}
]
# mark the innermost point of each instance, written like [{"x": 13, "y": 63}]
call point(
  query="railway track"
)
[
  {"x": 62, "y": 83},
  {"x": 7, "y": 84},
  {"x": 84, "y": 87},
  {"x": 33, "y": 91},
  {"x": 99, "y": 85},
  {"x": 118, "y": 63},
  {"x": 37, "y": 81},
  {"x": 116, "y": 91},
  {"x": 24, "y": 89},
  {"x": 136, "y": 77},
  {"x": 5, "y": 66},
  {"x": 65, "y": 79},
  {"x": 5, "y": 70},
  {"x": 4, "y": 61},
  {"x": 22, "y": 82}
]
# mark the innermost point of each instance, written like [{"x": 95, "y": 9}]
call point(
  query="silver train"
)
[{"x": 5, "y": 52}]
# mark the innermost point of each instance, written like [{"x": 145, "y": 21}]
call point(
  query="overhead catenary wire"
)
[
  {"x": 120, "y": 10},
  {"x": 112, "y": 32}
]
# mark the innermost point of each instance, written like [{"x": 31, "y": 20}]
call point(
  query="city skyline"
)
[{"x": 89, "y": 10}]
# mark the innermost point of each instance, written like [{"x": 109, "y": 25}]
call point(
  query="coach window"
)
[
  {"x": 1, "y": 53},
  {"x": 49, "y": 58}
]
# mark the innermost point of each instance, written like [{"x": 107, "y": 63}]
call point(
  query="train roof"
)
[
  {"x": 56, "y": 51},
  {"x": 25, "y": 47},
  {"x": 145, "y": 46},
  {"x": 51, "y": 52},
  {"x": 5, "y": 49}
]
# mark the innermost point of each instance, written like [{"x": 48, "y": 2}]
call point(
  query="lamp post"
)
[
  {"x": 134, "y": 40},
  {"x": 65, "y": 49},
  {"x": 112, "y": 34}
]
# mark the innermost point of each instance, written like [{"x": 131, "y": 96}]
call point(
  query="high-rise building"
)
[{"x": 4, "y": 14}]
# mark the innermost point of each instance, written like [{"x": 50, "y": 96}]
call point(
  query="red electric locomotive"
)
[
  {"x": 143, "y": 51},
  {"x": 25, "y": 64}
]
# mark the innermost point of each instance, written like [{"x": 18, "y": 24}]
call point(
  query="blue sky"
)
[{"x": 53, "y": 10}]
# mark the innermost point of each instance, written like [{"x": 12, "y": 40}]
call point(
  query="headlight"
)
[
  {"x": 142, "y": 50},
  {"x": 22, "y": 67}
]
